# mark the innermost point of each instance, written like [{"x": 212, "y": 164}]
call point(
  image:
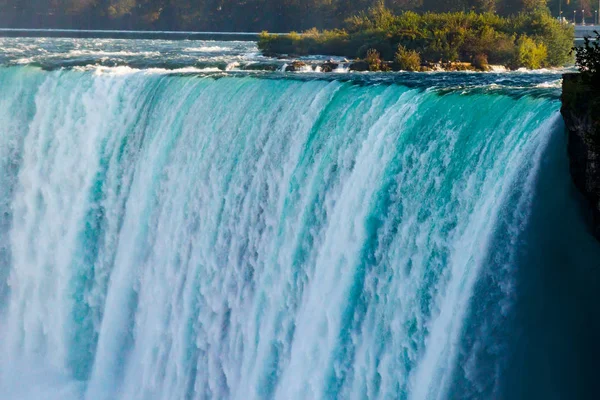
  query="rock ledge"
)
[{"x": 581, "y": 113}]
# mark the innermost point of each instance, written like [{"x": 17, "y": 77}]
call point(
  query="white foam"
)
[
  {"x": 207, "y": 49},
  {"x": 102, "y": 53}
]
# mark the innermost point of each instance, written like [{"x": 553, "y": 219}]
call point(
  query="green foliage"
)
[
  {"x": 373, "y": 58},
  {"x": 334, "y": 42},
  {"x": 534, "y": 5},
  {"x": 558, "y": 38},
  {"x": 120, "y": 8},
  {"x": 273, "y": 15},
  {"x": 587, "y": 57},
  {"x": 531, "y": 40},
  {"x": 407, "y": 60},
  {"x": 480, "y": 62},
  {"x": 530, "y": 54}
]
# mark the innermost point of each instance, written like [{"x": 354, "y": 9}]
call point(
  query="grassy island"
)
[{"x": 415, "y": 42}]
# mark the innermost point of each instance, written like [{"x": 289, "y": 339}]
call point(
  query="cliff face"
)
[{"x": 581, "y": 112}]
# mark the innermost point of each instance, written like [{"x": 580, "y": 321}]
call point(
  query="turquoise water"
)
[{"x": 196, "y": 235}]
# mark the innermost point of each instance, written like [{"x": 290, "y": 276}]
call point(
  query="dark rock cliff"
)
[{"x": 581, "y": 112}]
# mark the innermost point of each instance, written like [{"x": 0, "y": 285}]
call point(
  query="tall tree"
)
[{"x": 239, "y": 15}]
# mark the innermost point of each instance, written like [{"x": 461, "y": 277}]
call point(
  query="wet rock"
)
[
  {"x": 359, "y": 66},
  {"x": 581, "y": 113},
  {"x": 295, "y": 66},
  {"x": 329, "y": 66}
]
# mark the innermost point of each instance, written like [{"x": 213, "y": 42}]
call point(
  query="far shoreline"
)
[
  {"x": 129, "y": 34},
  {"x": 297, "y": 64}
]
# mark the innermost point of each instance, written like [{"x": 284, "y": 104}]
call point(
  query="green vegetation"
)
[
  {"x": 374, "y": 61},
  {"x": 530, "y": 54},
  {"x": 531, "y": 40},
  {"x": 587, "y": 59},
  {"x": 407, "y": 60},
  {"x": 246, "y": 15},
  {"x": 480, "y": 62}
]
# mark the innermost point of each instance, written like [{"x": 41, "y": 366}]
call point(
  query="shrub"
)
[
  {"x": 374, "y": 60},
  {"x": 407, "y": 60},
  {"x": 529, "y": 54},
  {"x": 480, "y": 62}
]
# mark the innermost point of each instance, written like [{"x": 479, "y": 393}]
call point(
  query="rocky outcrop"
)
[
  {"x": 329, "y": 66},
  {"x": 296, "y": 66},
  {"x": 359, "y": 66},
  {"x": 581, "y": 112}
]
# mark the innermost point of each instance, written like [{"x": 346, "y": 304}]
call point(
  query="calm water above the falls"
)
[{"x": 182, "y": 220}]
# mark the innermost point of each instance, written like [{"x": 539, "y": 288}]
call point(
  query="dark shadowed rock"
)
[
  {"x": 295, "y": 66},
  {"x": 581, "y": 112},
  {"x": 359, "y": 66},
  {"x": 329, "y": 66}
]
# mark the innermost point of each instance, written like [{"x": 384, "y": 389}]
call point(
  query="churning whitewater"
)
[{"x": 171, "y": 236}]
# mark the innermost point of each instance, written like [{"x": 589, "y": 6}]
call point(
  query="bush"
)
[
  {"x": 529, "y": 53},
  {"x": 374, "y": 60},
  {"x": 480, "y": 62},
  {"x": 407, "y": 60}
]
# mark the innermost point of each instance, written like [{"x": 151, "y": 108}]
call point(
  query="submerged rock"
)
[{"x": 581, "y": 112}]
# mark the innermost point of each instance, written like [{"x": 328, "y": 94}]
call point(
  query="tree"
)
[
  {"x": 72, "y": 7},
  {"x": 484, "y": 5},
  {"x": 512, "y": 7},
  {"x": 233, "y": 15},
  {"x": 533, "y": 5},
  {"x": 403, "y": 5},
  {"x": 587, "y": 57},
  {"x": 119, "y": 8}
]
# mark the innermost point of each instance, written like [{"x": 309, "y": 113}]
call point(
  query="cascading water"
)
[{"x": 168, "y": 236}]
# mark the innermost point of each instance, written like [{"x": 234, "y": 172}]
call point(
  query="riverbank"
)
[
  {"x": 383, "y": 41},
  {"x": 383, "y": 66}
]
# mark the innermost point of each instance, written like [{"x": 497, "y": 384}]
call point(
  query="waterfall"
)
[{"x": 178, "y": 237}]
